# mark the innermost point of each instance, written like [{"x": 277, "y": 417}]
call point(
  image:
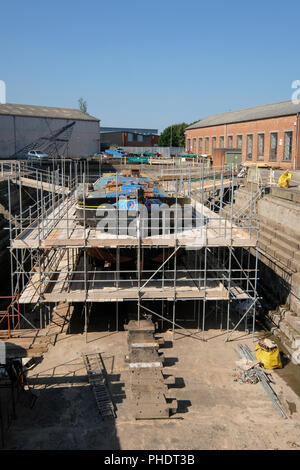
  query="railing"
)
[
  {"x": 187, "y": 277},
  {"x": 44, "y": 217},
  {"x": 53, "y": 207}
]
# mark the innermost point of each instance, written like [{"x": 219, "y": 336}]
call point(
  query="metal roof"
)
[
  {"x": 134, "y": 130},
  {"x": 12, "y": 109},
  {"x": 283, "y": 108}
]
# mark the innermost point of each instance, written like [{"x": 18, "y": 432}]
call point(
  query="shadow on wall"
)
[{"x": 273, "y": 289}]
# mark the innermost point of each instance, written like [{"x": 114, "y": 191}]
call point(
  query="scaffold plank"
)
[{"x": 33, "y": 183}]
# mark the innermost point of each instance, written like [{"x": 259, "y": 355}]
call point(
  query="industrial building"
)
[
  {"x": 264, "y": 134},
  {"x": 128, "y": 137},
  {"x": 20, "y": 125}
]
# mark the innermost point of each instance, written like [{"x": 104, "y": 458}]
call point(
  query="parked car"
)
[{"x": 36, "y": 155}]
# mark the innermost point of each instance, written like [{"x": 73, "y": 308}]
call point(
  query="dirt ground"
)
[{"x": 216, "y": 412}]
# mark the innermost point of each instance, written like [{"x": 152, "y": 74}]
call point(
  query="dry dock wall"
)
[
  {"x": 279, "y": 240},
  {"x": 279, "y": 214},
  {"x": 278, "y": 211}
]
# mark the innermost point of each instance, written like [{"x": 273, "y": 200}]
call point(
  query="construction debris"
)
[
  {"x": 247, "y": 372},
  {"x": 244, "y": 352},
  {"x": 246, "y": 376},
  {"x": 246, "y": 364},
  {"x": 267, "y": 344}
]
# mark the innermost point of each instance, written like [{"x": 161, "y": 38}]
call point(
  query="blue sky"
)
[{"x": 149, "y": 64}]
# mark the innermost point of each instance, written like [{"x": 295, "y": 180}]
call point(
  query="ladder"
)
[{"x": 97, "y": 378}]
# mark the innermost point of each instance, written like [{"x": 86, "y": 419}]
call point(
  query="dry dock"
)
[
  {"x": 216, "y": 412},
  {"x": 203, "y": 297}
]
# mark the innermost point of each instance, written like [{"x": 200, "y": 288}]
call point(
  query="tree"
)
[
  {"x": 173, "y": 136},
  {"x": 82, "y": 105}
]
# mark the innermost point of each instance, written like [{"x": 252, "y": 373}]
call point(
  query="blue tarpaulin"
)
[{"x": 114, "y": 153}]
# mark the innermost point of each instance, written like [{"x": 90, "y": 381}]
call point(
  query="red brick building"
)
[{"x": 265, "y": 134}]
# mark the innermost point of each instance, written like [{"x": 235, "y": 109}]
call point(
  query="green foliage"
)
[
  {"x": 173, "y": 136},
  {"x": 82, "y": 105}
]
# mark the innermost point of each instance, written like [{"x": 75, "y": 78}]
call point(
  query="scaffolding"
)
[
  {"x": 7, "y": 314},
  {"x": 207, "y": 261}
]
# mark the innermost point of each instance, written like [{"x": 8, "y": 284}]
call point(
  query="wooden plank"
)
[
  {"x": 113, "y": 294},
  {"x": 33, "y": 183}
]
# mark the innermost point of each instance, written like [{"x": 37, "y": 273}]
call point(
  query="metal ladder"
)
[{"x": 97, "y": 378}]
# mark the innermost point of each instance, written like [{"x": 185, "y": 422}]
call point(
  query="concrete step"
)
[
  {"x": 278, "y": 245},
  {"x": 287, "y": 343},
  {"x": 263, "y": 246},
  {"x": 291, "y": 241},
  {"x": 293, "y": 320},
  {"x": 285, "y": 203},
  {"x": 284, "y": 255},
  {"x": 283, "y": 247},
  {"x": 264, "y": 238},
  {"x": 288, "y": 330},
  {"x": 289, "y": 231},
  {"x": 279, "y": 235},
  {"x": 267, "y": 229},
  {"x": 289, "y": 194},
  {"x": 282, "y": 326},
  {"x": 279, "y": 254}
]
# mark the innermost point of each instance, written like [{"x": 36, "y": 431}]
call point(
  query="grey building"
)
[
  {"x": 20, "y": 125},
  {"x": 128, "y": 136}
]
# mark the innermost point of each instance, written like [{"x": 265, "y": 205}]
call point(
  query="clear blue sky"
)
[{"x": 149, "y": 63}]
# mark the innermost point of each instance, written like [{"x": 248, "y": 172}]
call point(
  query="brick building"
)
[{"x": 264, "y": 134}]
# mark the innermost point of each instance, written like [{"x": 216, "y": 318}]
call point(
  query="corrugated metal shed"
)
[
  {"x": 12, "y": 109},
  {"x": 283, "y": 108}
]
